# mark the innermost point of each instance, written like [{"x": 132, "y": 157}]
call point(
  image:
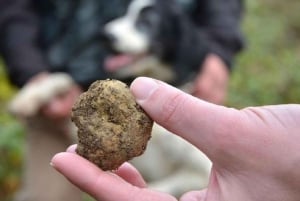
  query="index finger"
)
[{"x": 104, "y": 186}]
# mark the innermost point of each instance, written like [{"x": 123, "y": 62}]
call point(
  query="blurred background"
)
[{"x": 267, "y": 72}]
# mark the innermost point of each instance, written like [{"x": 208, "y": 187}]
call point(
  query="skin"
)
[
  {"x": 211, "y": 83},
  {"x": 60, "y": 106},
  {"x": 255, "y": 151}
]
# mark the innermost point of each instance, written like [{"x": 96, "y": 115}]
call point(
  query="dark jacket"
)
[{"x": 51, "y": 35}]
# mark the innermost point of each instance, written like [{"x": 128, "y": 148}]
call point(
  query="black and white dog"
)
[{"x": 155, "y": 38}]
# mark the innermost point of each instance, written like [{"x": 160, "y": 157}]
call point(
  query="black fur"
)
[
  {"x": 173, "y": 37},
  {"x": 176, "y": 40}
]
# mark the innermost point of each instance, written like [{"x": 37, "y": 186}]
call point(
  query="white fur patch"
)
[
  {"x": 127, "y": 38},
  {"x": 172, "y": 164}
]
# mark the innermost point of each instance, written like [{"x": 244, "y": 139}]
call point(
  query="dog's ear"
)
[
  {"x": 178, "y": 41},
  {"x": 166, "y": 34},
  {"x": 190, "y": 52}
]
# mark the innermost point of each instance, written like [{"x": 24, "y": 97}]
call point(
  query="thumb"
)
[{"x": 199, "y": 122}]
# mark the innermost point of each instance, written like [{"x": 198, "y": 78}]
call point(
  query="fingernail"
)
[
  {"x": 52, "y": 164},
  {"x": 142, "y": 88}
]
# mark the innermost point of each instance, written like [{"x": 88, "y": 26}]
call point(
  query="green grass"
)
[
  {"x": 11, "y": 143},
  {"x": 267, "y": 72},
  {"x": 11, "y": 149}
]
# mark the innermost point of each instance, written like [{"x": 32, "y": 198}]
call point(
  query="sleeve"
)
[
  {"x": 213, "y": 26},
  {"x": 219, "y": 22},
  {"x": 18, "y": 41}
]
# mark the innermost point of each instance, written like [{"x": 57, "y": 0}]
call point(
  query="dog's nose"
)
[{"x": 107, "y": 37}]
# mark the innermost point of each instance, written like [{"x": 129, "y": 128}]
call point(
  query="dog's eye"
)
[{"x": 147, "y": 19}]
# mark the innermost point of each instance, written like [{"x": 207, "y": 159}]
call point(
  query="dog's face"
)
[
  {"x": 138, "y": 40},
  {"x": 129, "y": 33},
  {"x": 149, "y": 28}
]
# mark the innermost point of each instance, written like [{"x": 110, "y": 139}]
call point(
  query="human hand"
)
[
  {"x": 59, "y": 106},
  {"x": 212, "y": 82},
  {"x": 255, "y": 151},
  {"x": 125, "y": 183}
]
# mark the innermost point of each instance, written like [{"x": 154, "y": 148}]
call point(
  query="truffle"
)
[{"x": 112, "y": 127}]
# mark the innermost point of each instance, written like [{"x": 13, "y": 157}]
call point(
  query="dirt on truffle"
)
[{"x": 112, "y": 127}]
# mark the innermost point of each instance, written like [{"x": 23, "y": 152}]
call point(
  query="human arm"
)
[
  {"x": 255, "y": 151},
  {"x": 216, "y": 41},
  {"x": 220, "y": 24},
  {"x": 18, "y": 41},
  {"x": 52, "y": 95},
  {"x": 211, "y": 83},
  {"x": 25, "y": 63}
]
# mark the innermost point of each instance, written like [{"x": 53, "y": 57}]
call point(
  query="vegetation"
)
[
  {"x": 267, "y": 72},
  {"x": 11, "y": 147},
  {"x": 11, "y": 144}
]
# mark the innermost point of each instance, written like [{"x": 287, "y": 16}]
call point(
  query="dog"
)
[
  {"x": 144, "y": 41},
  {"x": 156, "y": 39},
  {"x": 172, "y": 165}
]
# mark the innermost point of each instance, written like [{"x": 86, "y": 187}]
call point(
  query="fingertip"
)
[
  {"x": 158, "y": 99},
  {"x": 130, "y": 174},
  {"x": 56, "y": 159},
  {"x": 72, "y": 149},
  {"x": 143, "y": 87},
  {"x": 126, "y": 165}
]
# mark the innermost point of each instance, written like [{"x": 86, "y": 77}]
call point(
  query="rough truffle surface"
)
[{"x": 112, "y": 127}]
